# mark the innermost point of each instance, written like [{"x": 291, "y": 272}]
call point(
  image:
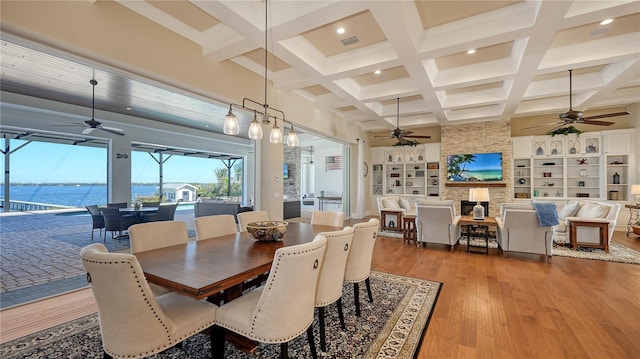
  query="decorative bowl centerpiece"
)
[{"x": 267, "y": 231}]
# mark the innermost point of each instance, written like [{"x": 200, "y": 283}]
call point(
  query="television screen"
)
[
  {"x": 475, "y": 167},
  {"x": 285, "y": 171}
]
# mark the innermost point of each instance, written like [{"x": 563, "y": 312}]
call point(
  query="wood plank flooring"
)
[{"x": 489, "y": 306}]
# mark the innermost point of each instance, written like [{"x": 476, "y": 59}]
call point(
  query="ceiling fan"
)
[
  {"x": 401, "y": 134},
  {"x": 92, "y": 124},
  {"x": 573, "y": 116}
]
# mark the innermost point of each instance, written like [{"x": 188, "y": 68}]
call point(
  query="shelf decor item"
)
[{"x": 616, "y": 178}]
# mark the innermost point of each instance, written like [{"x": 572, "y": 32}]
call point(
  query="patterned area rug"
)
[
  {"x": 617, "y": 253},
  {"x": 390, "y": 327}
]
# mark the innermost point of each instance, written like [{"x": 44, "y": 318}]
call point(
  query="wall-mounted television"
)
[
  {"x": 474, "y": 167},
  {"x": 285, "y": 171}
]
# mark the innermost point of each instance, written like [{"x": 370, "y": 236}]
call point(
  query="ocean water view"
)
[{"x": 70, "y": 194}]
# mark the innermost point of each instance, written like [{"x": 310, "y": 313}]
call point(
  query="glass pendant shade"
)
[
  {"x": 230, "y": 126},
  {"x": 276, "y": 134},
  {"x": 255, "y": 130},
  {"x": 292, "y": 138}
]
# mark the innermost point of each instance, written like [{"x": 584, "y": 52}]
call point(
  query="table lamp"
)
[
  {"x": 478, "y": 195},
  {"x": 635, "y": 189}
]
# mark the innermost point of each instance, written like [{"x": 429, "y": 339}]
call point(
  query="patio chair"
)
[
  {"x": 118, "y": 205},
  {"x": 165, "y": 212},
  {"x": 114, "y": 221},
  {"x": 98, "y": 221}
]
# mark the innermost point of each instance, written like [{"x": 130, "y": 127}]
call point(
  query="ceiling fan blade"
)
[
  {"x": 406, "y": 132},
  {"x": 598, "y": 123},
  {"x": 543, "y": 125},
  {"x": 557, "y": 127},
  {"x": 87, "y": 130},
  {"x": 115, "y": 131},
  {"x": 615, "y": 114},
  {"x": 416, "y": 136}
]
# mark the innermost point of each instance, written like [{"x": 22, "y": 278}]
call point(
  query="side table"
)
[
  {"x": 604, "y": 234},
  {"x": 391, "y": 225},
  {"x": 410, "y": 234},
  {"x": 482, "y": 224},
  {"x": 634, "y": 216}
]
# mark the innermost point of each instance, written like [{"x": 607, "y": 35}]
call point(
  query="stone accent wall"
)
[
  {"x": 291, "y": 186},
  {"x": 481, "y": 137}
]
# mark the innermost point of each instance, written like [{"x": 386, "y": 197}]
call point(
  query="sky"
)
[{"x": 41, "y": 162}]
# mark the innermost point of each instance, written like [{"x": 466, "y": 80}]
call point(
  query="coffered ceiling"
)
[{"x": 523, "y": 51}]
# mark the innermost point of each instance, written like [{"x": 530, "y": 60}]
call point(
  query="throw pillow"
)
[
  {"x": 390, "y": 203},
  {"x": 569, "y": 210},
  {"x": 593, "y": 210},
  {"x": 405, "y": 204}
]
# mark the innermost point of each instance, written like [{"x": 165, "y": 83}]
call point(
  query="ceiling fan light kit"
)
[{"x": 572, "y": 116}]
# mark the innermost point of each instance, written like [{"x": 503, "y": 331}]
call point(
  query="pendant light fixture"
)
[{"x": 231, "y": 127}]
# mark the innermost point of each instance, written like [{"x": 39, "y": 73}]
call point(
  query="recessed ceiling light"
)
[
  {"x": 606, "y": 22},
  {"x": 377, "y": 72},
  {"x": 472, "y": 51},
  {"x": 340, "y": 30}
]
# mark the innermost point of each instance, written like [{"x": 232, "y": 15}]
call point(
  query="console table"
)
[
  {"x": 604, "y": 234},
  {"x": 391, "y": 225},
  {"x": 634, "y": 216},
  {"x": 481, "y": 224}
]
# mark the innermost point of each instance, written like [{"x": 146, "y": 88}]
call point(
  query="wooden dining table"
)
[{"x": 200, "y": 269}]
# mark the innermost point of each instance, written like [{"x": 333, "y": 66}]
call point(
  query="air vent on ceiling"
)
[{"x": 350, "y": 40}]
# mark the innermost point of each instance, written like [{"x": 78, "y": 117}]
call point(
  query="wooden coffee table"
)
[{"x": 482, "y": 224}]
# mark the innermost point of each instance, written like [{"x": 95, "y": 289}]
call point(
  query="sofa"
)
[
  {"x": 519, "y": 230},
  {"x": 585, "y": 210},
  {"x": 407, "y": 205}
]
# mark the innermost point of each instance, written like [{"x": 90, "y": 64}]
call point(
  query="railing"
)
[{"x": 24, "y": 206}]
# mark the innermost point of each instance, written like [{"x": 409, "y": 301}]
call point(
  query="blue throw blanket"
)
[{"x": 547, "y": 213}]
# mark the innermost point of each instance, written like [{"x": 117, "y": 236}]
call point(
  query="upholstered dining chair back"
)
[
  {"x": 133, "y": 324},
  {"x": 331, "y": 278},
  {"x": 359, "y": 262},
  {"x": 215, "y": 226},
  {"x": 97, "y": 220},
  {"x": 327, "y": 218},
  {"x": 154, "y": 235},
  {"x": 335, "y": 261},
  {"x": 283, "y": 308},
  {"x": 249, "y": 217}
]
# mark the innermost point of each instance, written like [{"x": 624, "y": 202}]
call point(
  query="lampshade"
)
[
  {"x": 635, "y": 189},
  {"x": 230, "y": 126},
  {"x": 276, "y": 133},
  {"x": 255, "y": 130},
  {"x": 292, "y": 138},
  {"x": 478, "y": 194}
]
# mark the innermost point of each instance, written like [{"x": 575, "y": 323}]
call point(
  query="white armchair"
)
[
  {"x": 519, "y": 230},
  {"x": 437, "y": 222}
]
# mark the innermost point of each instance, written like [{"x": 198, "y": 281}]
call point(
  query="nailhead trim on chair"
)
[
  {"x": 173, "y": 341},
  {"x": 251, "y": 334},
  {"x": 364, "y": 278},
  {"x": 333, "y": 300}
]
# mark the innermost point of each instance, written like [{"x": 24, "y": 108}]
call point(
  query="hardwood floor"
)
[{"x": 489, "y": 306}]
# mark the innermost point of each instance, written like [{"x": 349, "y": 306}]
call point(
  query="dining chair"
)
[
  {"x": 133, "y": 322},
  {"x": 215, "y": 226},
  {"x": 359, "y": 262},
  {"x": 331, "y": 278},
  {"x": 165, "y": 212},
  {"x": 251, "y": 216},
  {"x": 154, "y": 235},
  {"x": 114, "y": 221},
  {"x": 327, "y": 218},
  {"x": 283, "y": 308},
  {"x": 97, "y": 221}
]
